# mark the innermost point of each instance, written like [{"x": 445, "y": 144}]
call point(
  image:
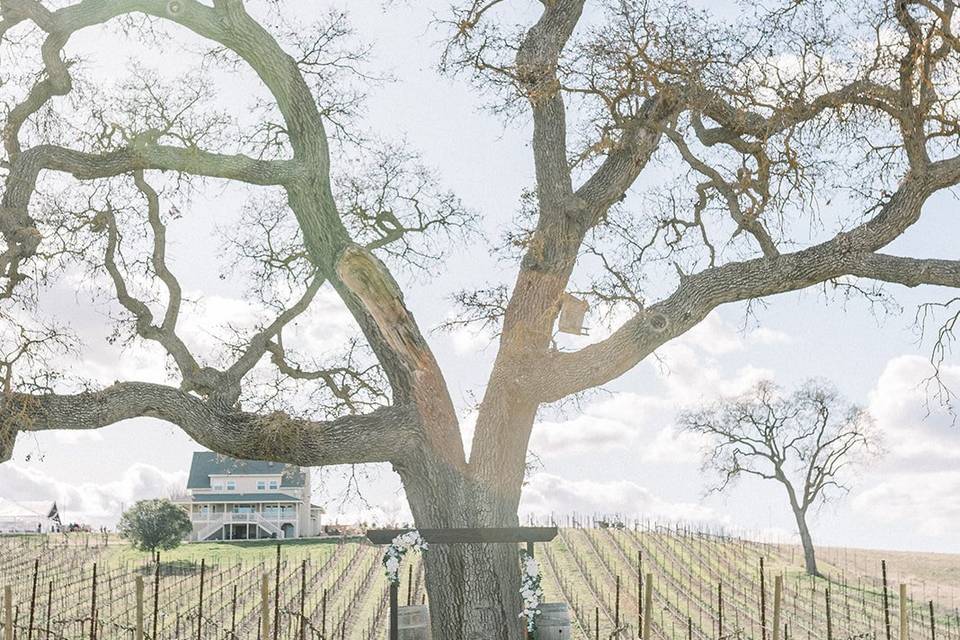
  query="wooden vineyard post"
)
[
  {"x": 233, "y": 615},
  {"x": 777, "y": 598},
  {"x": 596, "y": 623},
  {"x": 648, "y": 607},
  {"x": 49, "y": 610},
  {"x": 276, "y": 601},
  {"x": 640, "y": 592},
  {"x": 93, "y": 605},
  {"x": 826, "y": 595},
  {"x": 323, "y": 616},
  {"x": 33, "y": 598},
  {"x": 394, "y": 611},
  {"x": 616, "y": 610},
  {"x": 719, "y": 610},
  {"x": 904, "y": 619},
  {"x": 203, "y": 567},
  {"x": 7, "y": 613},
  {"x": 303, "y": 600},
  {"x": 763, "y": 602},
  {"x": 933, "y": 626},
  {"x": 409, "y": 585},
  {"x": 156, "y": 598},
  {"x": 886, "y": 599},
  {"x": 265, "y": 606},
  {"x": 138, "y": 630}
]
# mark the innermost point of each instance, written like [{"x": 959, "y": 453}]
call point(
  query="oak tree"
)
[
  {"x": 809, "y": 441},
  {"x": 798, "y": 140},
  {"x": 152, "y": 525}
]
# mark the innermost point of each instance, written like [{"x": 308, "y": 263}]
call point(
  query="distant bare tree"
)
[
  {"x": 801, "y": 141},
  {"x": 807, "y": 441}
]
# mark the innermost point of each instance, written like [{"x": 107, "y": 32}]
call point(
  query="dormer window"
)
[
  {"x": 217, "y": 486},
  {"x": 231, "y": 485},
  {"x": 273, "y": 484},
  {"x": 261, "y": 486}
]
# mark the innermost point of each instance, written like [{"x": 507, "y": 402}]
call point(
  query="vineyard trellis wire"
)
[{"x": 86, "y": 587}]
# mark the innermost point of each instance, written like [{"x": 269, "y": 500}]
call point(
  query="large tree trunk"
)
[
  {"x": 809, "y": 554},
  {"x": 474, "y": 592},
  {"x": 473, "y": 588}
]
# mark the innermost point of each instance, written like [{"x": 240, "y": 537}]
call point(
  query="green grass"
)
[{"x": 227, "y": 552}]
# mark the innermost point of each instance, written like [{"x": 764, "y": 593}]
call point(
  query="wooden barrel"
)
[
  {"x": 414, "y": 622},
  {"x": 553, "y": 623}
]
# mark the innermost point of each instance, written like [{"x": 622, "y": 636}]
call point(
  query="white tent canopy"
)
[{"x": 28, "y": 516}]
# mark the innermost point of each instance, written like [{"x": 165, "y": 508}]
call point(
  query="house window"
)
[
  {"x": 278, "y": 511},
  {"x": 261, "y": 486},
  {"x": 205, "y": 510},
  {"x": 231, "y": 485},
  {"x": 218, "y": 487},
  {"x": 273, "y": 484}
]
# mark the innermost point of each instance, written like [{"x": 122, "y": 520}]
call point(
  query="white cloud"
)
[
  {"x": 326, "y": 326},
  {"x": 140, "y": 361},
  {"x": 917, "y": 484},
  {"x": 89, "y": 502},
  {"x": 471, "y": 340},
  {"x": 929, "y": 502},
  {"x": 918, "y": 434},
  {"x": 768, "y": 336},
  {"x": 582, "y": 434},
  {"x": 620, "y": 421},
  {"x": 671, "y": 445},
  {"x": 714, "y": 336},
  {"x": 691, "y": 377},
  {"x": 73, "y": 437},
  {"x": 547, "y": 494},
  {"x": 691, "y": 368}
]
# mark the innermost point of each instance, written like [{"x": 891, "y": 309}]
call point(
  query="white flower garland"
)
[
  {"x": 397, "y": 549},
  {"x": 530, "y": 590}
]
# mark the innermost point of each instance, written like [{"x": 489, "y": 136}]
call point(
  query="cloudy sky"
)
[{"x": 619, "y": 451}]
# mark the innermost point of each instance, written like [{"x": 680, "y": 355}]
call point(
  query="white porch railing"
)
[
  {"x": 212, "y": 523},
  {"x": 210, "y": 529}
]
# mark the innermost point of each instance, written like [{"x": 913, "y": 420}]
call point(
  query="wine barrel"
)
[
  {"x": 553, "y": 623},
  {"x": 414, "y": 622}
]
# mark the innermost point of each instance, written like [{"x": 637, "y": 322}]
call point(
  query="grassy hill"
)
[{"x": 705, "y": 586}]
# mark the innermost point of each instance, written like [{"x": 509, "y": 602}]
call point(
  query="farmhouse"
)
[{"x": 231, "y": 499}]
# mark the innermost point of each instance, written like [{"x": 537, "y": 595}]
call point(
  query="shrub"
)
[{"x": 150, "y": 525}]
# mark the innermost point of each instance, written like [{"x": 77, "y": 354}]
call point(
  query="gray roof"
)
[
  {"x": 207, "y": 463},
  {"x": 243, "y": 497}
]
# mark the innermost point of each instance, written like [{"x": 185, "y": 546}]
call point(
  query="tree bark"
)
[
  {"x": 809, "y": 553},
  {"x": 474, "y": 591},
  {"x": 474, "y": 588}
]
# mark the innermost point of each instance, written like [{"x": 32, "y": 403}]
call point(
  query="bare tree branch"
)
[{"x": 384, "y": 435}]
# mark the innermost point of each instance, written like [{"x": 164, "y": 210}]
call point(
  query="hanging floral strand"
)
[
  {"x": 530, "y": 590},
  {"x": 393, "y": 556}
]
